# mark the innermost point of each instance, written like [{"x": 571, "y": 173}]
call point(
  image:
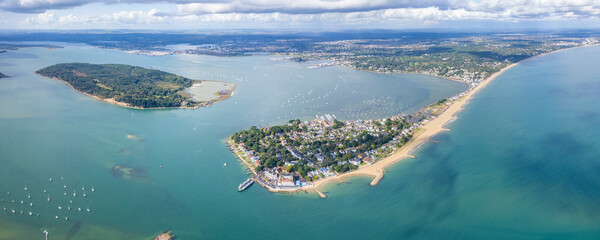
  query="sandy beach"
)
[
  {"x": 429, "y": 130},
  {"x": 423, "y": 136},
  {"x": 127, "y": 105}
]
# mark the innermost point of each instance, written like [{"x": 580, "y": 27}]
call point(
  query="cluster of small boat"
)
[{"x": 26, "y": 206}]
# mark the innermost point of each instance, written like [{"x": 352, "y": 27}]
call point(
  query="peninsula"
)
[
  {"x": 2, "y": 75},
  {"x": 302, "y": 156},
  {"x": 138, "y": 87}
]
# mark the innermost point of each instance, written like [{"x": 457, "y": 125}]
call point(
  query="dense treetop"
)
[{"x": 136, "y": 86}]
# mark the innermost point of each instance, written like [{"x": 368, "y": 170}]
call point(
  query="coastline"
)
[
  {"x": 126, "y": 105},
  {"x": 430, "y": 129}
]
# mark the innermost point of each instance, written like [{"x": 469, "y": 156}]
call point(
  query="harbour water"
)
[{"x": 518, "y": 164}]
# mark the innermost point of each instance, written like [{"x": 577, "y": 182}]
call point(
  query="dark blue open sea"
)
[{"x": 522, "y": 162}]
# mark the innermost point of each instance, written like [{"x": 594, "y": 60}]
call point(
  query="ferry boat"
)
[{"x": 245, "y": 184}]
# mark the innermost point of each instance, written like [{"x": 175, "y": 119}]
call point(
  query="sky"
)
[{"x": 298, "y": 14}]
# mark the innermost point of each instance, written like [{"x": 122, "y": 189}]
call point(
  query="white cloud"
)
[
  {"x": 295, "y": 12},
  {"x": 130, "y": 18}
]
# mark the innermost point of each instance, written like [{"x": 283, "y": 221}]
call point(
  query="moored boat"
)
[{"x": 245, "y": 184}]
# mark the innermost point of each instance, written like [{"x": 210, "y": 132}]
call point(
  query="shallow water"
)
[{"x": 50, "y": 131}]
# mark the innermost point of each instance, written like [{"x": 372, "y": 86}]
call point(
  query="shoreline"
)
[
  {"x": 430, "y": 129},
  {"x": 126, "y": 105}
]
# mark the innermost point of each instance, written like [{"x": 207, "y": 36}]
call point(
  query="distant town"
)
[{"x": 468, "y": 59}]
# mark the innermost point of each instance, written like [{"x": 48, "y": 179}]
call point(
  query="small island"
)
[
  {"x": 2, "y": 75},
  {"x": 138, "y": 87}
]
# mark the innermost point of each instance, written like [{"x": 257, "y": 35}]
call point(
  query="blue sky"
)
[{"x": 298, "y": 14}]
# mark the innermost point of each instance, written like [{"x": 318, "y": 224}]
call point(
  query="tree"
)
[{"x": 337, "y": 124}]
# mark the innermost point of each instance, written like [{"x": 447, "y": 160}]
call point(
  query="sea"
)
[{"x": 521, "y": 162}]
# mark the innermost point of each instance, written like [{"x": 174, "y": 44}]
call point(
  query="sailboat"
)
[
  {"x": 93, "y": 189},
  {"x": 74, "y": 194}
]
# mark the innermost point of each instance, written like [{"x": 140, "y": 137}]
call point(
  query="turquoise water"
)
[
  {"x": 521, "y": 162},
  {"x": 50, "y": 131}
]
